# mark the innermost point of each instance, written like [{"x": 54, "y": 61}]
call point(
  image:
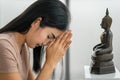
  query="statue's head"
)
[{"x": 106, "y": 21}]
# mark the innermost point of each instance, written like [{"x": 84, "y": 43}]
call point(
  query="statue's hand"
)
[
  {"x": 98, "y": 52},
  {"x": 96, "y": 47}
]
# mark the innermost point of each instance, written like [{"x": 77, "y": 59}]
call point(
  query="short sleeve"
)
[{"x": 7, "y": 61}]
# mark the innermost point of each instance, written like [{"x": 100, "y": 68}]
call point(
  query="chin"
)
[{"x": 31, "y": 46}]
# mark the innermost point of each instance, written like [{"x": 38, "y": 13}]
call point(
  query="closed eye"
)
[
  {"x": 51, "y": 36},
  {"x": 48, "y": 37}
]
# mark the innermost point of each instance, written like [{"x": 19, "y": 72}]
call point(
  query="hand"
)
[
  {"x": 57, "y": 48},
  {"x": 98, "y": 52}
]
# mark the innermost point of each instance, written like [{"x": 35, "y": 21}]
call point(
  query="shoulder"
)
[
  {"x": 7, "y": 54},
  {"x": 6, "y": 43},
  {"x": 6, "y": 38}
]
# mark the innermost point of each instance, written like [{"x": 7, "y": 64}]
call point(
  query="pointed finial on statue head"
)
[
  {"x": 107, "y": 12},
  {"x": 107, "y": 20}
]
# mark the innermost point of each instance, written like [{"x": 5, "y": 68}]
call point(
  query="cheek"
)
[{"x": 41, "y": 38}]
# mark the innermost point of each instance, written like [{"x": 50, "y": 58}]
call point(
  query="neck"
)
[{"x": 20, "y": 39}]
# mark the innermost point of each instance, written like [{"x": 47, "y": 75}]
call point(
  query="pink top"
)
[{"x": 11, "y": 60}]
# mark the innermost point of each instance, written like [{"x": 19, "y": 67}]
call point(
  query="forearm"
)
[{"x": 46, "y": 72}]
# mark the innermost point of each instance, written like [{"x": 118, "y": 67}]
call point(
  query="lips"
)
[{"x": 38, "y": 45}]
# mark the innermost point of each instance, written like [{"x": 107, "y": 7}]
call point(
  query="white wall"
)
[
  {"x": 11, "y": 9},
  {"x": 85, "y": 24}
]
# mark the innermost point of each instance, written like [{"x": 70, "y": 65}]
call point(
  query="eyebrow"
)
[{"x": 53, "y": 35}]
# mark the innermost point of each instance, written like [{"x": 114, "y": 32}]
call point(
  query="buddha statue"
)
[{"x": 102, "y": 58}]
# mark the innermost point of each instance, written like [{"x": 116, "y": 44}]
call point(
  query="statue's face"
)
[
  {"x": 106, "y": 22},
  {"x": 103, "y": 24}
]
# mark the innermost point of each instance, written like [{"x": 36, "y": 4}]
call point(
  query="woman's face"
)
[{"x": 37, "y": 36}]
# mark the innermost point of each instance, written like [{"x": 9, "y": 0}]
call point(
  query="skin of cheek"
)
[
  {"x": 30, "y": 41},
  {"x": 42, "y": 38},
  {"x": 39, "y": 37}
]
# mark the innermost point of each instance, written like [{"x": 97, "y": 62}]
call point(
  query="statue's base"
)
[
  {"x": 102, "y": 70},
  {"x": 102, "y": 64},
  {"x": 111, "y": 76}
]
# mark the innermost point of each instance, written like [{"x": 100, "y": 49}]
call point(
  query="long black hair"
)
[{"x": 54, "y": 14}]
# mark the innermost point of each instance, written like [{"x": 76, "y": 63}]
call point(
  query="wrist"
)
[
  {"x": 50, "y": 64},
  {"x": 46, "y": 71}
]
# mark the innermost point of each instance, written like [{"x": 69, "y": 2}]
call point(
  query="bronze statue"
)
[{"x": 102, "y": 58}]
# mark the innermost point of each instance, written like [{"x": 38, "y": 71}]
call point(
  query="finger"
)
[
  {"x": 60, "y": 37},
  {"x": 67, "y": 40},
  {"x": 51, "y": 43},
  {"x": 67, "y": 45},
  {"x": 65, "y": 37}
]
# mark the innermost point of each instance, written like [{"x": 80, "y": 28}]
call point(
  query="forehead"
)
[{"x": 55, "y": 31}]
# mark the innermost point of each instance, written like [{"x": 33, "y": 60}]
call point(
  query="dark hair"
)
[{"x": 54, "y": 14}]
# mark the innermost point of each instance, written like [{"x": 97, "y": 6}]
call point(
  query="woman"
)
[{"x": 44, "y": 23}]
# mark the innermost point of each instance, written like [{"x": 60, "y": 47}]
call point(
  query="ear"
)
[{"x": 37, "y": 22}]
